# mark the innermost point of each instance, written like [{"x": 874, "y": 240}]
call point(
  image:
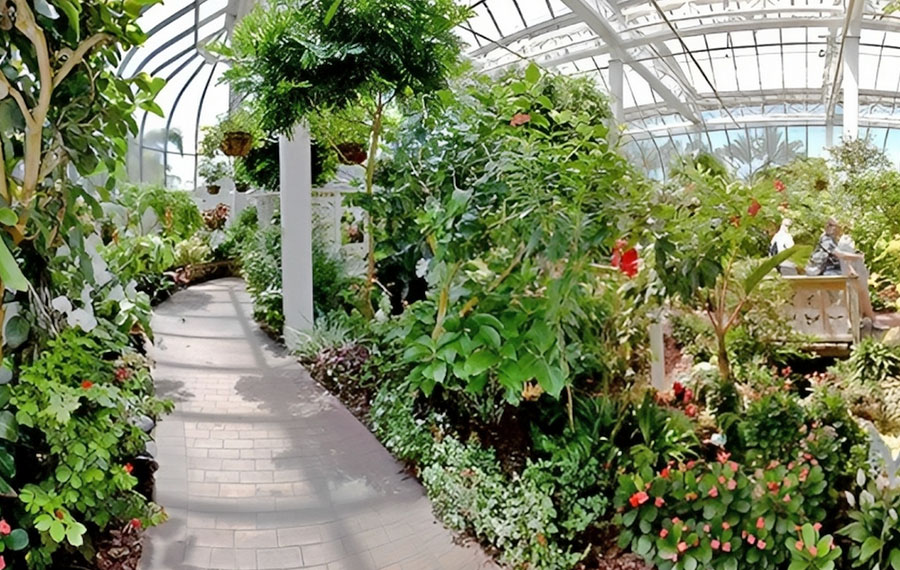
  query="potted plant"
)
[
  {"x": 213, "y": 170},
  {"x": 234, "y": 135}
]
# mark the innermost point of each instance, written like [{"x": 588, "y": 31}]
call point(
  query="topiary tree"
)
[
  {"x": 61, "y": 104},
  {"x": 296, "y": 57}
]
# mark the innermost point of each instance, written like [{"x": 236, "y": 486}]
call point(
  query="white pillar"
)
[
  {"x": 617, "y": 94},
  {"x": 296, "y": 234},
  {"x": 850, "y": 83}
]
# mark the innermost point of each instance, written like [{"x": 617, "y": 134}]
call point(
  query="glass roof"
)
[{"x": 751, "y": 79}]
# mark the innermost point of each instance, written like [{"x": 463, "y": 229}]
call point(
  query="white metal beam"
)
[
  {"x": 545, "y": 27},
  {"x": 612, "y": 39},
  {"x": 848, "y": 55}
]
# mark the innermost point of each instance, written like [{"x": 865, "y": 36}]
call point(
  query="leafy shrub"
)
[
  {"x": 215, "y": 218},
  {"x": 719, "y": 515},
  {"x": 261, "y": 266},
  {"x": 78, "y": 413},
  {"x": 143, "y": 259},
  {"x": 193, "y": 251},
  {"x": 330, "y": 284},
  {"x": 875, "y": 527},
  {"x": 240, "y": 233},
  {"x": 178, "y": 216}
]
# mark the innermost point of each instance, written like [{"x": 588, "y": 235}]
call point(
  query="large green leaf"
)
[
  {"x": 17, "y": 539},
  {"x": 16, "y": 332},
  {"x": 9, "y": 270},
  {"x": 332, "y": 10},
  {"x": 869, "y": 548},
  {"x": 9, "y": 427},
  {"x": 771, "y": 263}
]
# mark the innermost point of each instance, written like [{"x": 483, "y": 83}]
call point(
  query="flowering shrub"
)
[
  {"x": 718, "y": 515},
  {"x": 78, "y": 413},
  {"x": 875, "y": 530}
]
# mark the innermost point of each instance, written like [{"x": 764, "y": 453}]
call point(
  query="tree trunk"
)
[
  {"x": 367, "y": 308},
  {"x": 724, "y": 364}
]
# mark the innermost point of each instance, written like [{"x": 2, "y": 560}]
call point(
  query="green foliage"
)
[
  {"x": 293, "y": 63},
  {"x": 240, "y": 120},
  {"x": 719, "y": 515},
  {"x": 77, "y": 412},
  {"x": 177, "y": 215},
  {"x": 241, "y": 232},
  {"x": 261, "y": 267},
  {"x": 875, "y": 528},
  {"x": 330, "y": 284},
  {"x": 515, "y": 191},
  {"x": 812, "y": 551},
  {"x": 142, "y": 259},
  {"x": 193, "y": 251}
]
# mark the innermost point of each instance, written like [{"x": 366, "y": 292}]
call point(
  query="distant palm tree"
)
[
  {"x": 761, "y": 149},
  {"x": 156, "y": 143}
]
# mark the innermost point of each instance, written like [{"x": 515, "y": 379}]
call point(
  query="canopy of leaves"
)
[{"x": 292, "y": 61}]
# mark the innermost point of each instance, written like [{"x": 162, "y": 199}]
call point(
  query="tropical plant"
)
[
  {"x": 53, "y": 108},
  {"x": 299, "y": 56},
  {"x": 176, "y": 214},
  {"x": 213, "y": 170},
  {"x": 875, "y": 530}
]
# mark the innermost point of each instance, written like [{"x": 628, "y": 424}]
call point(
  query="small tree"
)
[
  {"x": 294, "y": 57},
  {"x": 61, "y": 104}
]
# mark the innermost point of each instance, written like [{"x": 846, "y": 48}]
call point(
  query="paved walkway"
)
[{"x": 261, "y": 468}]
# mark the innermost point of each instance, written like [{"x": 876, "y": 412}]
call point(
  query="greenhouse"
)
[{"x": 450, "y": 285}]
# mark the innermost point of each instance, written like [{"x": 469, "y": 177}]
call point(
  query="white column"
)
[
  {"x": 296, "y": 234},
  {"x": 850, "y": 83},
  {"x": 617, "y": 93}
]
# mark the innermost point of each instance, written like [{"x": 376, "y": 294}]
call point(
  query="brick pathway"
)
[{"x": 261, "y": 468}]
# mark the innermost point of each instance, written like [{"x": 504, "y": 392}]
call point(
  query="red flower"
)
[
  {"x": 123, "y": 374},
  {"x": 760, "y": 522},
  {"x": 735, "y": 221},
  {"x": 799, "y": 545},
  {"x": 722, "y": 456},
  {"x": 659, "y": 502},
  {"x": 625, "y": 260},
  {"x": 4, "y": 527},
  {"x": 714, "y": 492},
  {"x": 665, "y": 472},
  {"x": 754, "y": 208},
  {"x": 663, "y": 533},
  {"x": 639, "y": 498},
  {"x": 87, "y": 384},
  {"x": 129, "y": 468},
  {"x": 136, "y": 523},
  {"x": 2, "y": 563},
  {"x": 779, "y": 186},
  {"x": 520, "y": 119},
  {"x": 682, "y": 546},
  {"x": 688, "y": 396},
  {"x": 691, "y": 410}
]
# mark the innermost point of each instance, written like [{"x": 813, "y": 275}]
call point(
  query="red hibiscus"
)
[
  {"x": 625, "y": 260},
  {"x": 520, "y": 119},
  {"x": 87, "y": 384},
  {"x": 638, "y": 499},
  {"x": 779, "y": 186},
  {"x": 754, "y": 208}
]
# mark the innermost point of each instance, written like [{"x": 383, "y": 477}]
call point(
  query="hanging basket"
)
[
  {"x": 351, "y": 153},
  {"x": 213, "y": 188},
  {"x": 237, "y": 143},
  {"x": 241, "y": 187}
]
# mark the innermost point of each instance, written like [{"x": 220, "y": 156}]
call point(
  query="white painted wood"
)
[{"x": 296, "y": 242}]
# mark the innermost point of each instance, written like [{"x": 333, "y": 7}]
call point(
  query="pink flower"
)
[
  {"x": 779, "y": 186},
  {"x": 751, "y": 539},
  {"x": 714, "y": 492},
  {"x": 761, "y": 545},
  {"x": 760, "y": 522},
  {"x": 817, "y": 526},
  {"x": 732, "y": 484},
  {"x": 799, "y": 545},
  {"x": 813, "y": 550},
  {"x": 659, "y": 502},
  {"x": 725, "y": 526},
  {"x": 520, "y": 119},
  {"x": 787, "y": 499},
  {"x": 726, "y": 547},
  {"x": 706, "y": 528},
  {"x": 682, "y": 546},
  {"x": 4, "y": 527},
  {"x": 2, "y": 563},
  {"x": 715, "y": 544},
  {"x": 639, "y": 498}
]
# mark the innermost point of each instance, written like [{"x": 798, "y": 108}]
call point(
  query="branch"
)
[
  {"x": 20, "y": 100},
  {"x": 4, "y": 191},
  {"x": 77, "y": 56},
  {"x": 26, "y": 24}
]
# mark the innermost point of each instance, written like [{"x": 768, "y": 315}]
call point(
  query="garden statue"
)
[
  {"x": 781, "y": 241},
  {"x": 823, "y": 260},
  {"x": 853, "y": 262}
]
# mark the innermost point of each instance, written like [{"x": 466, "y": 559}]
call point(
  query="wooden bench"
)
[{"x": 826, "y": 308}]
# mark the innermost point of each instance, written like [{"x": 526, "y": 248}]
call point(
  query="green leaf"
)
[
  {"x": 45, "y": 9},
  {"x": 72, "y": 10},
  {"x": 152, "y": 107},
  {"x": 17, "y": 539},
  {"x": 9, "y": 428},
  {"x": 74, "y": 536},
  {"x": 8, "y": 217},
  {"x": 332, "y": 10},
  {"x": 480, "y": 361},
  {"x": 871, "y": 546},
  {"x": 769, "y": 264},
  {"x": 10, "y": 273},
  {"x": 57, "y": 531},
  {"x": 16, "y": 333},
  {"x": 7, "y": 463},
  {"x": 895, "y": 559},
  {"x": 532, "y": 73},
  {"x": 63, "y": 473}
]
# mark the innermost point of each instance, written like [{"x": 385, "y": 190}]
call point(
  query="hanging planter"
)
[
  {"x": 237, "y": 143},
  {"x": 213, "y": 189},
  {"x": 241, "y": 187},
  {"x": 351, "y": 153}
]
